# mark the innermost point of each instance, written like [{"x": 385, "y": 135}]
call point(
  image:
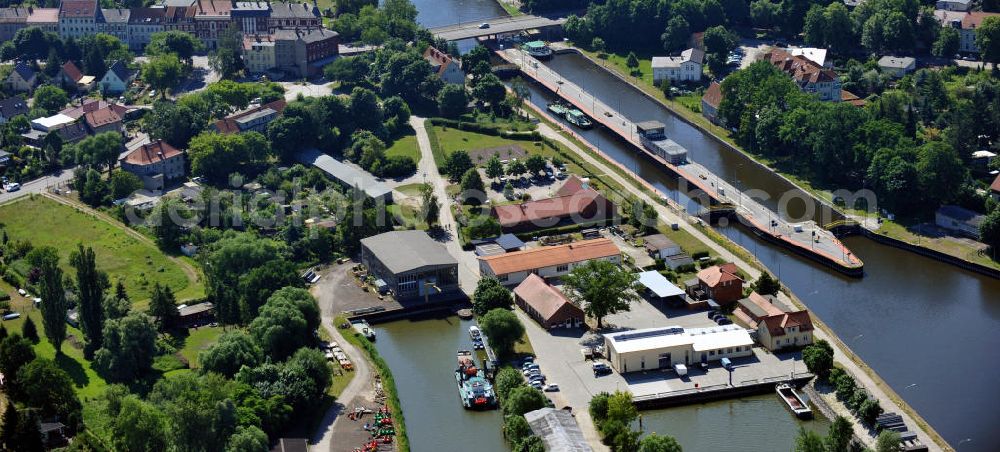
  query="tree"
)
[
  {"x": 348, "y": 70},
  {"x": 494, "y": 168},
  {"x": 516, "y": 429},
  {"x": 122, "y": 183},
  {"x": 129, "y": 348},
  {"x": 248, "y": 439},
  {"x": 430, "y": 207},
  {"x": 814, "y": 27},
  {"x": 227, "y": 58},
  {"x": 138, "y": 425},
  {"x": 516, "y": 168},
  {"x": 503, "y": 329},
  {"x": 176, "y": 123},
  {"x": 598, "y": 408},
  {"x": 632, "y": 61},
  {"x": 163, "y": 307},
  {"x": 506, "y": 380},
  {"x": 989, "y": 229},
  {"x": 659, "y": 443},
  {"x": 289, "y": 135},
  {"x": 30, "y": 331},
  {"x": 42, "y": 385},
  {"x": 457, "y": 164},
  {"x": 535, "y": 164},
  {"x": 163, "y": 72},
  {"x": 280, "y": 328},
  {"x": 490, "y": 90},
  {"x": 20, "y": 431},
  {"x": 766, "y": 284},
  {"x": 621, "y": 408},
  {"x": 809, "y": 441},
  {"x": 473, "y": 189},
  {"x": 91, "y": 284},
  {"x": 939, "y": 165},
  {"x": 601, "y": 288},
  {"x": 15, "y": 353},
  {"x": 764, "y": 13},
  {"x": 840, "y": 434},
  {"x": 839, "y": 28},
  {"x": 101, "y": 149},
  {"x": 818, "y": 358},
  {"x": 888, "y": 441},
  {"x": 524, "y": 399},
  {"x": 947, "y": 43},
  {"x": 869, "y": 410},
  {"x": 53, "y": 302},
  {"x": 50, "y": 99},
  {"x": 719, "y": 41},
  {"x": 845, "y": 387},
  {"x": 489, "y": 295},
  {"x": 988, "y": 39},
  {"x": 675, "y": 37},
  {"x": 176, "y": 42},
  {"x": 216, "y": 156},
  {"x": 452, "y": 100}
]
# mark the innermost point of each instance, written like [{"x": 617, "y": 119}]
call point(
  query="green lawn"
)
[
  {"x": 140, "y": 264},
  {"x": 405, "y": 146},
  {"x": 947, "y": 245},
  {"x": 199, "y": 339},
  {"x": 452, "y": 140}
]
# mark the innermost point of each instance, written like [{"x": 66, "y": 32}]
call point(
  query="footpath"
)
[{"x": 843, "y": 356}]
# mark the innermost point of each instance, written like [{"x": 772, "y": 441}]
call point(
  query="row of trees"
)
[
  {"x": 517, "y": 398},
  {"x": 613, "y": 415}
]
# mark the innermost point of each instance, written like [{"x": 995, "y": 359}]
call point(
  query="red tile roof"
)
[
  {"x": 973, "y": 19},
  {"x": 437, "y": 58},
  {"x": 548, "y": 256},
  {"x": 78, "y": 8},
  {"x": 776, "y": 324},
  {"x": 71, "y": 71},
  {"x": 995, "y": 186},
  {"x": 716, "y": 274},
  {"x": 545, "y": 299},
  {"x": 101, "y": 117},
  {"x": 851, "y": 98},
  {"x": 150, "y": 153},
  {"x": 713, "y": 95},
  {"x": 800, "y": 68},
  {"x": 550, "y": 210}
]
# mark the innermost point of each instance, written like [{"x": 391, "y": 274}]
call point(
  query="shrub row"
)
[{"x": 389, "y": 387}]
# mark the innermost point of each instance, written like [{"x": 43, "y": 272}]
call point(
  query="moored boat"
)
[
  {"x": 558, "y": 109},
  {"x": 577, "y": 118},
  {"x": 362, "y": 327},
  {"x": 474, "y": 389},
  {"x": 793, "y": 401},
  {"x": 538, "y": 49}
]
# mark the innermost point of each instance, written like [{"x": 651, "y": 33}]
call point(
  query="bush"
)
[{"x": 399, "y": 166}]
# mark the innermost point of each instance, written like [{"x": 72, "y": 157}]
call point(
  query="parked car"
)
[
  {"x": 537, "y": 377},
  {"x": 14, "y": 186},
  {"x": 601, "y": 369},
  {"x": 724, "y": 321},
  {"x": 712, "y": 313},
  {"x": 536, "y": 385},
  {"x": 551, "y": 388},
  {"x": 528, "y": 366}
]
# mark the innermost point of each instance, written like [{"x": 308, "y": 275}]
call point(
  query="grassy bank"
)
[{"x": 388, "y": 383}]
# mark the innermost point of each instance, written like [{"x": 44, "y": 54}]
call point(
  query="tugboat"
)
[
  {"x": 793, "y": 401},
  {"x": 473, "y": 387},
  {"x": 558, "y": 109},
  {"x": 577, "y": 118}
]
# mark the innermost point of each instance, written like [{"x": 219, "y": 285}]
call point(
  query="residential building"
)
[
  {"x": 142, "y": 23},
  {"x": 411, "y": 264},
  {"x": 304, "y": 52},
  {"x": 953, "y": 5},
  {"x": 254, "y": 119},
  {"x": 258, "y": 53},
  {"x": 683, "y": 68},
  {"x": 851, "y": 98},
  {"x": 11, "y": 107},
  {"x": 211, "y": 17},
  {"x": 71, "y": 133},
  {"x": 117, "y": 79},
  {"x": 574, "y": 203},
  {"x": 663, "y": 347},
  {"x": 12, "y": 20},
  {"x": 809, "y": 76},
  {"x": 778, "y": 325},
  {"x": 814, "y": 54},
  {"x": 46, "y": 19},
  {"x": 79, "y": 18},
  {"x": 659, "y": 246},
  {"x": 50, "y": 123},
  {"x": 959, "y": 219},
  {"x": 995, "y": 189},
  {"x": 349, "y": 176},
  {"x": 251, "y": 16},
  {"x": 897, "y": 66},
  {"x": 156, "y": 163},
  {"x": 71, "y": 78},
  {"x": 294, "y": 15},
  {"x": 87, "y": 105},
  {"x": 179, "y": 16},
  {"x": 547, "y": 304},
  {"x": 967, "y": 32},
  {"x": 710, "y": 102},
  {"x": 196, "y": 314},
  {"x": 22, "y": 78},
  {"x": 103, "y": 120},
  {"x": 446, "y": 68},
  {"x": 115, "y": 23},
  {"x": 547, "y": 261},
  {"x": 721, "y": 283},
  {"x": 558, "y": 430}
]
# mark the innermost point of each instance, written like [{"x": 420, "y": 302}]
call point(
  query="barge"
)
[
  {"x": 475, "y": 390},
  {"x": 793, "y": 401}
]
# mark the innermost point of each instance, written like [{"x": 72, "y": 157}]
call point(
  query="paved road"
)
[
  {"x": 39, "y": 185},
  {"x": 497, "y": 25}
]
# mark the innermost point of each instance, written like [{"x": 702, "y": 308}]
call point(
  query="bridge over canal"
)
[{"x": 496, "y": 26}]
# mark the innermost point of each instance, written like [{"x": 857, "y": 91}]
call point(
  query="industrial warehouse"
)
[{"x": 661, "y": 348}]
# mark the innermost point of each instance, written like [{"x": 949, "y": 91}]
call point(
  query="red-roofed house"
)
[
  {"x": 721, "y": 283},
  {"x": 103, "y": 120},
  {"x": 444, "y": 66},
  {"x": 574, "y": 203},
  {"x": 546, "y": 304},
  {"x": 155, "y": 163},
  {"x": 811, "y": 77},
  {"x": 778, "y": 326},
  {"x": 70, "y": 77},
  {"x": 967, "y": 35},
  {"x": 710, "y": 102},
  {"x": 547, "y": 261},
  {"x": 995, "y": 188},
  {"x": 255, "y": 119}
]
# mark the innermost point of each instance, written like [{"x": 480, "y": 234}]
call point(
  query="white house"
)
[
  {"x": 22, "y": 78},
  {"x": 79, "y": 18},
  {"x": 117, "y": 79},
  {"x": 660, "y": 246},
  {"x": 663, "y": 347},
  {"x": 953, "y": 5},
  {"x": 446, "y": 68},
  {"x": 683, "y": 68},
  {"x": 547, "y": 261},
  {"x": 897, "y": 66}
]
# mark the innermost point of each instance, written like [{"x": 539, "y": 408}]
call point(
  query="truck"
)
[{"x": 681, "y": 369}]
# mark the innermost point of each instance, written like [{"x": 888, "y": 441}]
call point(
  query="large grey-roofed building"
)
[
  {"x": 410, "y": 263},
  {"x": 558, "y": 430},
  {"x": 347, "y": 175}
]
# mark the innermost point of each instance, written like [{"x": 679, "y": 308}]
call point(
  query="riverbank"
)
[
  {"x": 843, "y": 355},
  {"x": 955, "y": 254}
]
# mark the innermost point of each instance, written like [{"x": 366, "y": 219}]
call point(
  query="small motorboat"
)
[
  {"x": 793, "y": 401},
  {"x": 577, "y": 118}
]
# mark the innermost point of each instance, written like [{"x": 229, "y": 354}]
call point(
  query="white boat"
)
[
  {"x": 793, "y": 401},
  {"x": 475, "y": 332},
  {"x": 538, "y": 49}
]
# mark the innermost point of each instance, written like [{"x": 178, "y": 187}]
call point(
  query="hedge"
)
[{"x": 389, "y": 387}]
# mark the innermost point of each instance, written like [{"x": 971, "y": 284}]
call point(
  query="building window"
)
[
  {"x": 503, "y": 278},
  {"x": 562, "y": 268}
]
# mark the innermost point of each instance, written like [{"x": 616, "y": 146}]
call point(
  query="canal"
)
[{"x": 926, "y": 327}]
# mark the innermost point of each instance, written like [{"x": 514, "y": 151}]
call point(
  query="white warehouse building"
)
[{"x": 661, "y": 348}]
